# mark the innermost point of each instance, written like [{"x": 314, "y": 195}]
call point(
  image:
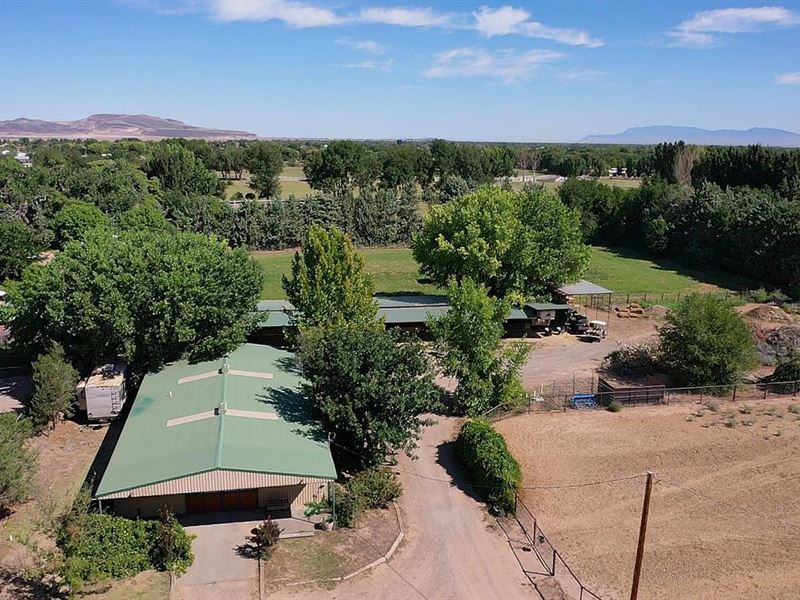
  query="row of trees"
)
[{"x": 751, "y": 232}]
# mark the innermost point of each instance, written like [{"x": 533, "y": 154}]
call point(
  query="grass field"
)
[
  {"x": 288, "y": 188},
  {"x": 552, "y": 185},
  {"x": 395, "y": 271}
]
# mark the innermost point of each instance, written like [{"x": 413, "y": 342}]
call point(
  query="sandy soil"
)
[
  {"x": 453, "y": 549},
  {"x": 737, "y": 535}
]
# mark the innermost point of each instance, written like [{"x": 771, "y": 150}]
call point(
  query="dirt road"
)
[{"x": 452, "y": 549}]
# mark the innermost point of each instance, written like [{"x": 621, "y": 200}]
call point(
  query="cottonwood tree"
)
[
  {"x": 143, "y": 296},
  {"x": 706, "y": 342},
  {"x": 17, "y": 463},
  {"x": 19, "y": 246},
  {"x": 265, "y": 163},
  {"x": 76, "y": 219},
  {"x": 469, "y": 340},
  {"x": 54, "y": 380},
  {"x": 179, "y": 170},
  {"x": 368, "y": 387},
  {"x": 328, "y": 284},
  {"x": 513, "y": 243}
]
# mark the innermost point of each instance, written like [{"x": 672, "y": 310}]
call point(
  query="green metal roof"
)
[
  {"x": 265, "y": 425},
  {"x": 547, "y": 306}
]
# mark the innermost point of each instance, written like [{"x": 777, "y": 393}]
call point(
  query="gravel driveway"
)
[{"x": 452, "y": 549}]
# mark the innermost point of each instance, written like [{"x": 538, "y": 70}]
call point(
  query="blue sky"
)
[{"x": 525, "y": 71}]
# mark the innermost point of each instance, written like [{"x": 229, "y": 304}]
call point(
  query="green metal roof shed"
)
[{"x": 243, "y": 416}]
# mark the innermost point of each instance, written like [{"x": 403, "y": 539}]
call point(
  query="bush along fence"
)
[
  {"x": 553, "y": 564},
  {"x": 602, "y": 395}
]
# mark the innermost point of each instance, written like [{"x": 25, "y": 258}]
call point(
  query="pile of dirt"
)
[
  {"x": 767, "y": 312},
  {"x": 777, "y": 343},
  {"x": 658, "y": 311}
]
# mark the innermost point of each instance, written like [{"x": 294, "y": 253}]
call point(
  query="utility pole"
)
[{"x": 637, "y": 569}]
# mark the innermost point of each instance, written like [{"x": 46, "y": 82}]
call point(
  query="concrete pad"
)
[{"x": 12, "y": 390}]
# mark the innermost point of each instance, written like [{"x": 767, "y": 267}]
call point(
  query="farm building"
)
[
  {"x": 411, "y": 313},
  {"x": 233, "y": 433}
]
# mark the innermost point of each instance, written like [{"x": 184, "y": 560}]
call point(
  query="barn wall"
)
[{"x": 148, "y": 507}]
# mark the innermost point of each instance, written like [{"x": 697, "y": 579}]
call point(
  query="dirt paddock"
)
[{"x": 732, "y": 528}]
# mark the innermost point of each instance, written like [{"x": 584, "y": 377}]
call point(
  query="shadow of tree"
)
[
  {"x": 292, "y": 406},
  {"x": 17, "y": 586},
  {"x": 446, "y": 457}
]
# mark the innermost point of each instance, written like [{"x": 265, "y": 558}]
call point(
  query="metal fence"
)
[
  {"x": 559, "y": 398},
  {"x": 661, "y": 297},
  {"x": 552, "y": 561}
]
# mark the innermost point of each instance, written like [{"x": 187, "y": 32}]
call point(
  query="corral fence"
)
[
  {"x": 660, "y": 297},
  {"x": 557, "y": 397},
  {"x": 553, "y": 563}
]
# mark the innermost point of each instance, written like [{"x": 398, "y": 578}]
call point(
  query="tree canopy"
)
[
  {"x": 142, "y": 296},
  {"x": 265, "y": 163},
  {"x": 54, "y": 380},
  {"x": 706, "y": 342},
  {"x": 513, "y": 243},
  {"x": 469, "y": 342},
  {"x": 369, "y": 388},
  {"x": 76, "y": 219},
  {"x": 19, "y": 246},
  {"x": 328, "y": 284}
]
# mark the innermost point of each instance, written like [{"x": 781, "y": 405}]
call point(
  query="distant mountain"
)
[
  {"x": 109, "y": 127},
  {"x": 703, "y": 137}
]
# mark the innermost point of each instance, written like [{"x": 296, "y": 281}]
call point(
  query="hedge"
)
[{"x": 489, "y": 464}]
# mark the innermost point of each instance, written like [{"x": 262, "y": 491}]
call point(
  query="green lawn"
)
[
  {"x": 288, "y": 188},
  {"x": 622, "y": 271}
]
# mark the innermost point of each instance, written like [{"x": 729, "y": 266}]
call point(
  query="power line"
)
[{"x": 452, "y": 482}]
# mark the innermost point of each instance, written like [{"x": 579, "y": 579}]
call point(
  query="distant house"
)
[
  {"x": 23, "y": 158},
  {"x": 228, "y": 434}
]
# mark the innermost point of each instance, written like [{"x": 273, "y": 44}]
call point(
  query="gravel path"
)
[{"x": 452, "y": 549}]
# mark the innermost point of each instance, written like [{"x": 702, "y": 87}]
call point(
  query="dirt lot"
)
[
  {"x": 732, "y": 530},
  {"x": 65, "y": 456},
  {"x": 560, "y": 358}
]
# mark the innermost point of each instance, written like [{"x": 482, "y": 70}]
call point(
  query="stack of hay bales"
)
[{"x": 632, "y": 311}]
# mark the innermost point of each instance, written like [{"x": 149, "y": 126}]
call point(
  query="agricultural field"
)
[
  {"x": 292, "y": 184},
  {"x": 395, "y": 271},
  {"x": 723, "y": 521}
]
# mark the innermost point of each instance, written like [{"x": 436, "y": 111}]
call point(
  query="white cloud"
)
[
  {"x": 580, "y": 76},
  {"x": 369, "y": 46},
  {"x": 405, "y": 17},
  {"x": 789, "y": 78},
  {"x": 368, "y": 65},
  {"x": 507, "y": 65},
  {"x": 507, "y": 20},
  {"x": 704, "y": 28},
  {"x": 296, "y": 14}
]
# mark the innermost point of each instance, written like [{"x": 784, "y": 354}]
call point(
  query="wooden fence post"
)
[{"x": 734, "y": 393}]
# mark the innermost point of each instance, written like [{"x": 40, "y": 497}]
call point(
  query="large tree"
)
[
  {"x": 706, "y": 342},
  {"x": 469, "y": 340},
  {"x": 76, "y": 219},
  {"x": 145, "y": 297},
  {"x": 17, "y": 462},
  {"x": 328, "y": 284},
  {"x": 369, "y": 388},
  {"x": 513, "y": 243},
  {"x": 54, "y": 380},
  {"x": 341, "y": 166},
  {"x": 179, "y": 170},
  {"x": 19, "y": 246},
  {"x": 265, "y": 163}
]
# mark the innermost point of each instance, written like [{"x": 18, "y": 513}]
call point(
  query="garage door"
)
[{"x": 217, "y": 501}]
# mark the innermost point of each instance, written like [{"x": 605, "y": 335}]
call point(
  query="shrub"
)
[
  {"x": 98, "y": 546},
  {"x": 264, "y": 538},
  {"x": 170, "y": 545},
  {"x": 705, "y": 342},
  {"x": 487, "y": 460},
  {"x": 614, "y": 406},
  {"x": 17, "y": 462},
  {"x": 633, "y": 359},
  {"x": 787, "y": 372},
  {"x": 345, "y": 508},
  {"x": 375, "y": 488}
]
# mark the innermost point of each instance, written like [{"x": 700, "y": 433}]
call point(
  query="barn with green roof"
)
[{"x": 234, "y": 433}]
